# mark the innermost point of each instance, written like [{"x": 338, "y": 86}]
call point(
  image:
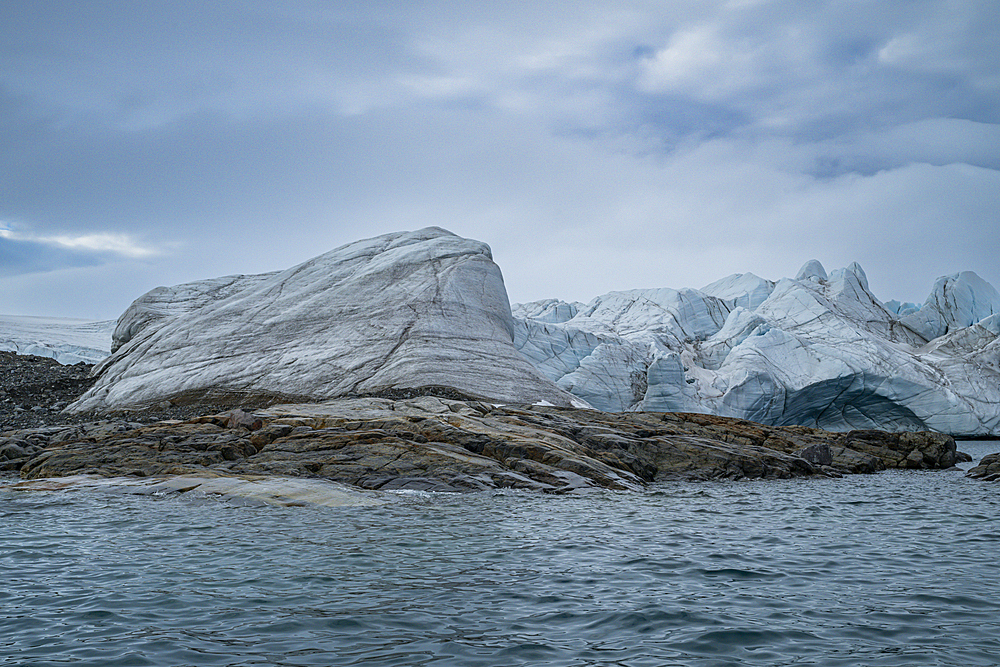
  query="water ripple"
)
[{"x": 889, "y": 569}]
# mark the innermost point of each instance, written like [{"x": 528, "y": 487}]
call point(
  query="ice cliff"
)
[
  {"x": 817, "y": 350},
  {"x": 399, "y": 311},
  {"x": 66, "y": 340}
]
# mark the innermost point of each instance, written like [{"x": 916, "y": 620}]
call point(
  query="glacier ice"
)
[
  {"x": 818, "y": 349},
  {"x": 956, "y": 301},
  {"x": 428, "y": 308},
  {"x": 68, "y": 341},
  {"x": 812, "y": 270},
  {"x": 399, "y": 311},
  {"x": 740, "y": 289}
]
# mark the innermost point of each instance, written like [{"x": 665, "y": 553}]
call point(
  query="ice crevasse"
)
[{"x": 818, "y": 349}]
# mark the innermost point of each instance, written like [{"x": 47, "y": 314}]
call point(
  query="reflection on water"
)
[{"x": 898, "y": 568}]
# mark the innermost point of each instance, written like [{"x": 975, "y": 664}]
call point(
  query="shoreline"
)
[
  {"x": 412, "y": 440},
  {"x": 430, "y": 443}
]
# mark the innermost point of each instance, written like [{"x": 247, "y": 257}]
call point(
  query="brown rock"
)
[
  {"x": 446, "y": 445},
  {"x": 988, "y": 469}
]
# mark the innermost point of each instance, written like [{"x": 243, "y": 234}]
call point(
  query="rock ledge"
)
[{"x": 438, "y": 444}]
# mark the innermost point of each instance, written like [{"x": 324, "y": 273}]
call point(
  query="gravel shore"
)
[{"x": 35, "y": 390}]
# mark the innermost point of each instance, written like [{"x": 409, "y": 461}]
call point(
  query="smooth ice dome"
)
[{"x": 398, "y": 311}]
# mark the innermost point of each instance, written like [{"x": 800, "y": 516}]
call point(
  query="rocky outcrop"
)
[
  {"x": 401, "y": 311},
  {"x": 988, "y": 469},
  {"x": 278, "y": 491},
  {"x": 436, "y": 444}
]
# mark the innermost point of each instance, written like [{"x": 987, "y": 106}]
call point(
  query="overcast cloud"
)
[{"x": 594, "y": 145}]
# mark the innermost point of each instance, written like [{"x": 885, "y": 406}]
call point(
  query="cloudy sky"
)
[{"x": 595, "y": 145}]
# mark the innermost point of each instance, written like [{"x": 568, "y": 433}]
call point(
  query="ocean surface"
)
[{"x": 898, "y": 568}]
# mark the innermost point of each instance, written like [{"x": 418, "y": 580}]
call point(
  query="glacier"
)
[
  {"x": 414, "y": 311},
  {"x": 67, "y": 340},
  {"x": 816, "y": 350},
  {"x": 408, "y": 310}
]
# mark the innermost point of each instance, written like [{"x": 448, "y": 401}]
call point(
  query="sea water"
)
[{"x": 897, "y": 568}]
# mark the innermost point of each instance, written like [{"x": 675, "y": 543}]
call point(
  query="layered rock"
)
[
  {"x": 435, "y": 444},
  {"x": 400, "y": 311},
  {"x": 818, "y": 350}
]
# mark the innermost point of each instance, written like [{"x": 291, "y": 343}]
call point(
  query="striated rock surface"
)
[
  {"x": 435, "y": 444},
  {"x": 400, "y": 311},
  {"x": 818, "y": 350}
]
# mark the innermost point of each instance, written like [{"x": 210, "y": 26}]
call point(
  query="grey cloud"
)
[
  {"x": 21, "y": 257},
  {"x": 142, "y": 65},
  {"x": 249, "y": 137},
  {"x": 938, "y": 141},
  {"x": 803, "y": 69}
]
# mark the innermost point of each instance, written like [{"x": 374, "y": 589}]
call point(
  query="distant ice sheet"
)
[{"x": 66, "y": 340}]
